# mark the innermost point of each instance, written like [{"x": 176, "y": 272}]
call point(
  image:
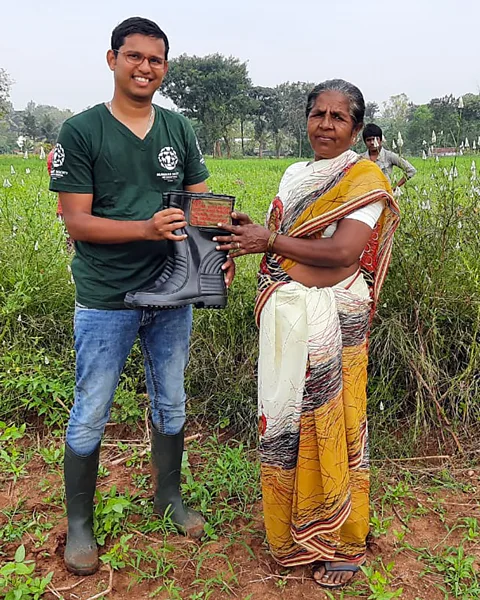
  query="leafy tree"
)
[
  {"x": 210, "y": 89},
  {"x": 30, "y": 128},
  {"x": 245, "y": 110},
  {"x": 264, "y": 106},
  {"x": 445, "y": 117},
  {"x": 278, "y": 120},
  {"x": 48, "y": 129},
  {"x": 5, "y": 84},
  {"x": 395, "y": 113},
  {"x": 420, "y": 128},
  {"x": 293, "y": 100},
  {"x": 7, "y": 138},
  {"x": 396, "y": 108},
  {"x": 371, "y": 109},
  {"x": 30, "y": 125},
  {"x": 470, "y": 117}
]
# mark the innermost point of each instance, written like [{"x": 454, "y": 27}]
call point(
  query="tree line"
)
[
  {"x": 35, "y": 124},
  {"x": 233, "y": 117}
]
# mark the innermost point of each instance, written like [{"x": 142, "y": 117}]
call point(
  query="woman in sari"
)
[{"x": 326, "y": 249}]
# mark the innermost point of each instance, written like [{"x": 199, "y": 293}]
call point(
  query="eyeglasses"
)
[{"x": 136, "y": 58}]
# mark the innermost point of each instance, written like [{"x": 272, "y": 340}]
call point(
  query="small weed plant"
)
[{"x": 17, "y": 581}]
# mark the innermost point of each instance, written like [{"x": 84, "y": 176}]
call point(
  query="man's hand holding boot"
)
[{"x": 163, "y": 224}]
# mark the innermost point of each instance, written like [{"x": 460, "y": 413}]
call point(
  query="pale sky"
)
[{"x": 55, "y": 51}]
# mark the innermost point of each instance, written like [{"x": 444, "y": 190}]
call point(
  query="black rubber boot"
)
[
  {"x": 166, "y": 463},
  {"x": 192, "y": 274},
  {"x": 81, "y": 554}
]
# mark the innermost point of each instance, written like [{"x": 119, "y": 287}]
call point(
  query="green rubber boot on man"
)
[
  {"x": 166, "y": 463},
  {"x": 81, "y": 553}
]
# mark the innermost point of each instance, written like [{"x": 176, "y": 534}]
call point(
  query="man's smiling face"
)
[{"x": 139, "y": 81}]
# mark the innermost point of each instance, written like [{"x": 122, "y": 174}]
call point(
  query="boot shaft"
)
[
  {"x": 80, "y": 482},
  {"x": 166, "y": 460},
  {"x": 203, "y": 212},
  {"x": 81, "y": 554},
  {"x": 193, "y": 273},
  {"x": 166, "y": 463}
]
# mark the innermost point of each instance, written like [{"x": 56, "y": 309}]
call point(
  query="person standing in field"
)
[
  {"x": 385, "y": 159},
  {"x": 110, "y": 167},
  {"x": 326, "y": 246}
]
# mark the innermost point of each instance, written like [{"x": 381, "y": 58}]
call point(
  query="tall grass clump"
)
[
  {"x": 424, "y": 356},
  {"x": 36, "y": 293}
]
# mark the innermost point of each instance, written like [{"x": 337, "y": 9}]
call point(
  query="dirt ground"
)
[{"x": 421, "y": 508}]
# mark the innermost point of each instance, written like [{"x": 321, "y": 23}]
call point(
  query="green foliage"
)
[
  {"x": 151, "y": 563},
  {"x": 457, "y": 570},
  {"x": 118, "y": 554},
  {"x": 111, "y": 512},
  {"x": 20, "y": 521},
  {"x": 424, "y": 354},
  {"x": 210, "y": 89},
  {"x": 397, "y": 494},
  {"x": 228, "y": 485},
  {"x": 378, "y": 525},
  {"x": 471, "y": 527},
  {"x": 5, "y": 84},
  {"x": 12, "y": 457},
  {"x": 379, "y": 581},
  {"x": 36, "y": 123},
  {"x": 17, "y": 581},
  {"x": 52, "y": 455}
]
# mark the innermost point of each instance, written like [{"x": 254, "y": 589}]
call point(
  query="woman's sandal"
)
[{"x": 331, "y": 567}]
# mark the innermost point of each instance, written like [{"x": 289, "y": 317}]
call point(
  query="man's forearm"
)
[{"x": 97, "y": 230}]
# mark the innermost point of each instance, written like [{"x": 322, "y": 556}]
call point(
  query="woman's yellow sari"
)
[{"x": 313, "y": 370}]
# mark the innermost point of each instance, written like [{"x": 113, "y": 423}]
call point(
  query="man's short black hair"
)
[
  {"x": 137, "y": 25},
  {"x": 372, "y": 130}
]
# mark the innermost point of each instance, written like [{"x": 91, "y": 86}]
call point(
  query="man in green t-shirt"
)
[{"x": 110, "y": 167}]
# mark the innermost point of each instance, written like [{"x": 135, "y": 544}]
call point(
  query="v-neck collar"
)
[{"x": 128, "y": 132}]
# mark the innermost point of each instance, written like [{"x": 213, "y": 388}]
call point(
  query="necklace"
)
[{"x": 151, "y": 118}]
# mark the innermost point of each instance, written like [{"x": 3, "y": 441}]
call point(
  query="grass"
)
[
  {"x": 424, "y": 352},
  {"x": 222, "y": 480}
]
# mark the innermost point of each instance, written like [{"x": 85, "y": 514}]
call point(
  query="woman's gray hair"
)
[{"x": 350, "y": 91}]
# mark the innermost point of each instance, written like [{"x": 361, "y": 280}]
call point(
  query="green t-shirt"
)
[{"x": 96, "y": 154}]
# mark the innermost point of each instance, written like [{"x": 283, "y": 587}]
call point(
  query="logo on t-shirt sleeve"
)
[
  {"x": 58, "y": 156},
  {"x": 168, "y": 159},
  {"x": 202, "y": 160}
]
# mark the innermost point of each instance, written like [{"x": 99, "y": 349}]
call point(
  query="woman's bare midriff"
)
[{"x": 321, "y": 276}]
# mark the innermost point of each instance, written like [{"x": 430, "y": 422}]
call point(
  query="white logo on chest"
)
[{"x": 167, "y": 157}]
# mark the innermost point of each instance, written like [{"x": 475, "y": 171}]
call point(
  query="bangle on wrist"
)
[{"x": 271, "y": 241}]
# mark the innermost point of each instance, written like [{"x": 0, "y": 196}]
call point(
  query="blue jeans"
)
[{"x": 103, "y": 340}]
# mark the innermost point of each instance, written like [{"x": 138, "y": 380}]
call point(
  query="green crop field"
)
[
  {"x": 424, "y": 398},
  {"x": 424, "y": 342}
]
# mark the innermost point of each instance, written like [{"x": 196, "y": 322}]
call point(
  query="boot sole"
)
[
  {"x": 82, "y": 572},
  {"x": 147, "y": 301}
]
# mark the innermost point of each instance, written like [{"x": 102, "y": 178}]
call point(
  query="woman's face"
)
[{"x": 331, "y": 130}]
